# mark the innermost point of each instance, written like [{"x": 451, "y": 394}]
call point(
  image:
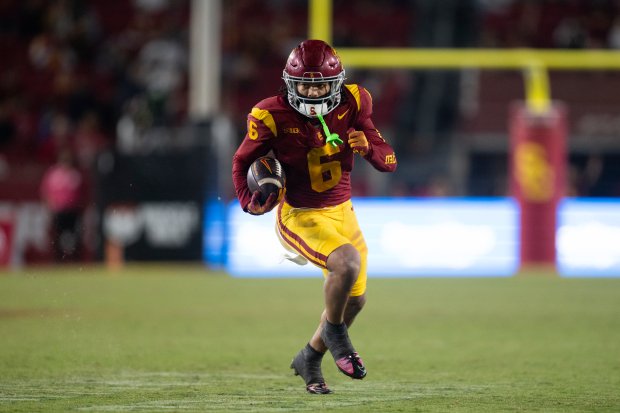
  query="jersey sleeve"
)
[
  {"x": 380, "y": 153},
  {"x": 256, "y": 143}
]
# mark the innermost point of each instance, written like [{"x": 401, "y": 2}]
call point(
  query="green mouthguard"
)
[{"x": 332, "y": 138}]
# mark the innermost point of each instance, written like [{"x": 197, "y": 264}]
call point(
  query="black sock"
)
[
  {"x": 336, "y": 338},
  {"x": 336, "y": 328},
  {"x": 312, "y": 354}
]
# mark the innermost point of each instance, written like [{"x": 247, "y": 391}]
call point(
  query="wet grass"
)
[{"x": 181, "y": 338}]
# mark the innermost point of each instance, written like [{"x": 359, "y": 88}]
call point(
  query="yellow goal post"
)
[{"x": 533, "y": 62}]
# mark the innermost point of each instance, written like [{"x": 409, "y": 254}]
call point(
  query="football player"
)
[{"x": 315, "y": 218}]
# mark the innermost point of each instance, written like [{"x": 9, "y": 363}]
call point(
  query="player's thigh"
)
[
  {"x": 314, "y": 234},
  {"x": 351, "y": 229},
  {"x": 353, "y": 232}
]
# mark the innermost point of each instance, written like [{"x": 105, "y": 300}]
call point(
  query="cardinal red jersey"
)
[{"x": 318, "y": 174}]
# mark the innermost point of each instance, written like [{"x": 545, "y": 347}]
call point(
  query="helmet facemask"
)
[{"x": 310, "y": 107}]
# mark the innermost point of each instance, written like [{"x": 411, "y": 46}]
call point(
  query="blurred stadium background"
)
[{"x": 150, "y": 96}]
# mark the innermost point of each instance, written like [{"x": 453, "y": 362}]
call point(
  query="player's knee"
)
[{"x": 345, "y": 262}]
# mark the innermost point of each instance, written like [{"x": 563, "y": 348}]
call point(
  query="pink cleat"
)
[{"x": 352, "y": 366}]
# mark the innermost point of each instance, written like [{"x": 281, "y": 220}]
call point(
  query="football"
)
[{"x": 267, "y": 176}]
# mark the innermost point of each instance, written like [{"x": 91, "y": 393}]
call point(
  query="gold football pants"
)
[{"x": 314, "y": 233}]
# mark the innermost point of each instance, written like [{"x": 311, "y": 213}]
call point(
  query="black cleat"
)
[
  {"x": 307, "y": 364},
  {"x": 336, "y": 338}
]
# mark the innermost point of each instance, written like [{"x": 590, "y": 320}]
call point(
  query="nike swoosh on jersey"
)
[{"x": 342, "y": 114}]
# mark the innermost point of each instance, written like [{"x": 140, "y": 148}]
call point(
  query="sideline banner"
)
[
  {"x": 151, "y": 206},
  {"x": 405, "y": 237},
  {"x": 454, "y": 237},
  {"x": 588, "y": 237}
]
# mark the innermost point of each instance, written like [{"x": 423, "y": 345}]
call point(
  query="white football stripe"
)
[{"x": 274, "y": 181}]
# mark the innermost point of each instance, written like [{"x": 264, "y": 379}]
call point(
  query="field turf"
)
[{"x": 161, "y": 338}]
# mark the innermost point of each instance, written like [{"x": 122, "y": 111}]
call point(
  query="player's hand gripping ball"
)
[{"x": 267, "y": 183}]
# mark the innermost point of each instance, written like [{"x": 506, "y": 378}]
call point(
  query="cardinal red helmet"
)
[{"x": 313, "y": 61}]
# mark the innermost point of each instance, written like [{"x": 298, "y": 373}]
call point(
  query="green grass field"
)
[{"x": 180, "y": 338}]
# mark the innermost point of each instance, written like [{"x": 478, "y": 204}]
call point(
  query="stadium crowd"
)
[{"x": 92, "y": 76}]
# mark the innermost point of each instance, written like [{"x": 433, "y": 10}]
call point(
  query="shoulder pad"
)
[
  {"x": 264, "y": 116},
  {"x": 355, "y": 91}
]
